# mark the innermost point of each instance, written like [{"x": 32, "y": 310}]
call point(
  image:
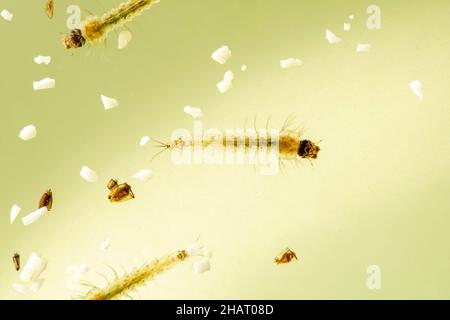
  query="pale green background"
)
[{"x": 378, "y": 194}]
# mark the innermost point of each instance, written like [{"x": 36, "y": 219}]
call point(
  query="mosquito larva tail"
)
[
  {"x": 123, "y": 285},
  {"x": 95, "y": 29}
]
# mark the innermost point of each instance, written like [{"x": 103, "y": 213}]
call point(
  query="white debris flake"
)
[
  {"x": 8, "y": 16},
  {"x": 201, "y": 266},
  {"x": 105, "y": 244},
  {"x": 88, "y": 174},
  {"x": 143, "y": 175},
  {"x": 20, "y": 288},
  {"x": 46, "y": 83},
  {"x": 28, "y": 132},
  {"x": 417, "y": 89},
  {"x": 82, "y": 268},
  {"x": 226, "y": 83},
  {"x": 73, "y": 282},
  {"x": 351, "y": 17},
  {"x": 43, "y": 59},
  {"x": 221, "y": 55},
  {"x": 347, "y": 26},
  {"x": 363, "y": 47},
  {"x": 331, "y": 37},
  {"x": 109, "y": 103},
  {"x": 195, "y": 249},
  {"x": 34, "y": 216},
  {"x": 15, "y": 210},
  {"x": 196, "y": 113},
  {"x": 144, "y": 140},
  {"x": 33, "y": 268},
  {"x": 244, "y": 67},
  {"x": 290, "y": 63},
  {"x": 36, "y": 285},
  {"x": 124, "y": 39}
]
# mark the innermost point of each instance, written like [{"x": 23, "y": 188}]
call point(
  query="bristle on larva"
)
[
  {"x": 95, "y": 29},
  {"x": 122, "y": 286}
]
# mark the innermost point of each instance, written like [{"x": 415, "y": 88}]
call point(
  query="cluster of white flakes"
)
[
  {"x": 226, "y": 84},
  {"x": 30, "y": 275},
  {"x": 109, "y": 103},
  {"x": 43, "y": 59},
  {"x": 124, "y": 39},
  {"x": 5, "y": 14},
  {"x": 290, "y": 63},
  {"x": 204, "y": 254},
  {"x": 88, "y": 174},
  {"x": 195, "y": 113},
  {"x": 221, "y": 55},
  {"x": 44, "y": 84},
  {"x": 142, "y": 175}
]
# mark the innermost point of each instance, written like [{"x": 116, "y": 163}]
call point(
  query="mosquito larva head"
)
[
  {"x": 74, "y": 39},
  {"x": 308, "y": 149}
]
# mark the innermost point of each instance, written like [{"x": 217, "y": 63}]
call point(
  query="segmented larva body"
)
[
  {"x": 287, "y": 144},
  {"x": 96, "y": 29},
  {"x": 122, "y": 286}
]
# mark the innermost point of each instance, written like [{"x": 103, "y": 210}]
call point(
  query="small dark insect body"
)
[
  {"x": 16, "y": 260},
  {"x": 286, "y": 256},
  {"x": 119, "y": 192},
  {"x": 46, "y": 200}
]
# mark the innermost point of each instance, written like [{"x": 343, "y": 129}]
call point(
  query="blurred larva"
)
[
  {"x": 95, "y": 29},
  {"x": 122, "y": 286}
]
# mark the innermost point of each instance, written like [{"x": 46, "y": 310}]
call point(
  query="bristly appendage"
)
[
  {"x": 96, "y": 29},
  {"x": 122, "y": 286}
]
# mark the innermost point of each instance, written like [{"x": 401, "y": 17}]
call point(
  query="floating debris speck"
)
[
  {"x": 227, "y": 82},
  {"x": 244, "y": 67},
  {"x": 144, "y": 140},
  {"x": 8, "y": 16},
  {"x": 124, "y": 39},
  {"x": 142, "y": 175},
  {"x": 16, "y": 261},
  {"x": 109, "y": 103},
  {"x": 347, "y": 26},
  {"x": 50, "y": 8},
  {"x": 88, "y": 174},
  {"x": 105, "y": 244},
  {"x": 195, "y": 113},
  {"x": 43, "y": 59},
  {"x": 351, "y": 17},
  {"x": 46, "y": 83},
  {"x": 15, "y": 210},
  {"x": 221, "y": 55},
  {"x": 331, "y": 37},
  {"x": 363, "y": 47},
  {"x": 201, "y": 266},
  {"x": 286, "y": 256},
  {"x": 20, "y": 288},
  {"x": 46, "y": 200},
  {"x": 416, "y": 88},
  {"x": 33, "y": 268},
  {"x": 119, "y": 192},
  {"x": 290, "y": 63},
  {"x": 34, "y": 216},
  {"x": 28, "y": 133}
]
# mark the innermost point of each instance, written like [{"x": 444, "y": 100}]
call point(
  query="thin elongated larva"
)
[
  {"x": 95, "y": 29},
  {"x": 122, "y": 286}
]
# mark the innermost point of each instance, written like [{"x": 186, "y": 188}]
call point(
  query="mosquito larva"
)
[
  {"x": 122, "y": 286},
  {"x": 95, "y": 29}
]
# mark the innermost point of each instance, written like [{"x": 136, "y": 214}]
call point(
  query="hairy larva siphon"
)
[{"x": 95, "y": 29}]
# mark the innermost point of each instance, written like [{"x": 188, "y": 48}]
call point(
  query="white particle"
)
[
  {"x": 331, "y": 37},
  {"x": 417, "y": 89},
  {"x": 290, "y": 63},
  {"x": 221, "y": 55},
  {"x": 109, "y": 103},
  {"x": 46, "y": 83}
]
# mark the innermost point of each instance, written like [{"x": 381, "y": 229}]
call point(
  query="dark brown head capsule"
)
[
  {"x": 16, "y": 260},
  {"x": 119, "y": 192},
  {"x": 46, "y": 200},
  {"x": 74, "y": 39},
  {"x": 308, "y": 149}
]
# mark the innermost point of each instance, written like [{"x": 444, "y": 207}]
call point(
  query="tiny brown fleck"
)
[
  {"x": 49, "y": 8},
  {"x": 16, "y": 260},
  {"x": 46, "y": 200},
  {"x": 286, "y": 256},
  {"x": 119, "y": 192}
]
